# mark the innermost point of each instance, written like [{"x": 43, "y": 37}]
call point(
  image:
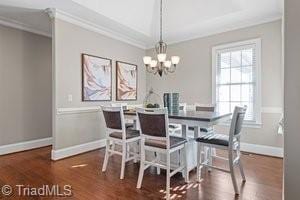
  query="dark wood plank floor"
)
[{"x": 83, "y": 172}]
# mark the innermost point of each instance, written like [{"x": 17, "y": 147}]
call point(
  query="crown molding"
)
[
  {"x": 58, "y": 14},
  {"x": 22, "y": 26},
  {"x": 219, "y": 31}
]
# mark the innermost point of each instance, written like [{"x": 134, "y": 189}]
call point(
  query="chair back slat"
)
[
  {"x": 209, "y": 108},
  {"x": 236, "y": 123},
  {"x": 153, "y": 125},
  {"x": 239, "y": 123},
  {"x": 123, "y": 105},
  {"x": 113, "y": 117},
  {"x": 152, "y": 122}
]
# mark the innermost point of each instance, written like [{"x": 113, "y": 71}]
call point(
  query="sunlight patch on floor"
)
[
  {"x": 180, "y": 189},
  {"x": 79, "y": 166}
]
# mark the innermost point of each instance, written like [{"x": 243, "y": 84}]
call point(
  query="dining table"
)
[
  {"x": 186, "y": 119},
  {"x": 189, "y": 118}
]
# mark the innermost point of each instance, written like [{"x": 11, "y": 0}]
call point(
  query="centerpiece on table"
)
[{"x": 152, "y": 100}]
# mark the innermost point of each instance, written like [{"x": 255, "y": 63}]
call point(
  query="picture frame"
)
[
  {"x": 96, "y": 78},
  {"x": 126, "y": 81}
]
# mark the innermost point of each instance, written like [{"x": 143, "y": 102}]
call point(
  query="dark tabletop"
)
[{"x": 192, "y": 115}]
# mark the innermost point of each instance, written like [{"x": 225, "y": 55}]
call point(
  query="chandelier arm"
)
[
  {"x": 165, "y": 71},
  {"x": 172, "y": 69},
  {"x": 150, "y": 69}
]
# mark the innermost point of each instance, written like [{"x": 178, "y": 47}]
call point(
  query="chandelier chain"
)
[
  {"x": 161, "y": 65},
  {"x": 161, "y": 21}
]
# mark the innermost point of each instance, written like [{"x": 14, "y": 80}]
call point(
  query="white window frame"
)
[{"x": 257, "y": 96}]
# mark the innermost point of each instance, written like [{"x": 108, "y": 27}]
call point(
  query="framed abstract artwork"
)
[
  {"x": 126, "y": 79},
  {"x": 96, "y": 78}
]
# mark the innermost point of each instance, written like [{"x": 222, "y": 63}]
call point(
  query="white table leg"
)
[
  {"x": 196, "y": 132},
  {"x": 184, "y": 135},
  {"x": 184, "y": 131}
]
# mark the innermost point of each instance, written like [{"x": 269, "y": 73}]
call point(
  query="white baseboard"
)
[
  {"x": 23, "y": 146},
  {"x": 74, "y": 150},
  {"x": 262, "y": 149}
]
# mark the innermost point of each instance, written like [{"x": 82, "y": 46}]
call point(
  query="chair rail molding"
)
[
  {"x": 78, "y": 110},
  {"x": 274, "y": 110}
]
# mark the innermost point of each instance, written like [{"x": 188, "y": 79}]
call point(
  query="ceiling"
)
[{"x": 138, "y": 20}]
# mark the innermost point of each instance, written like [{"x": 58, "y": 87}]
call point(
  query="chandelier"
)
[{"x": 162, "y": 64}]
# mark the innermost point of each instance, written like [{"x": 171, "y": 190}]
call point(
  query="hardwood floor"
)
[{"x": 83, "y": 172}]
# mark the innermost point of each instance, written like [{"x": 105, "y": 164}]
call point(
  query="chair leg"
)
[
  {"x": 158, "y": 160},
  {"x": 231, "y": 167},
  {"x": 113, "y": 145},
  {"x": 242, "y": 170},
  {"x": 124, "y": 155},
  {"x": 136, "y": 152},
  {"x": 186, "y": 169},
  {"x": 180, "y": 157},
  {"x": 142, "y": 165},
  {"x": 168, "y": 176},
  {"x": 128, "y": 150},
  {"x": 210, "y": 151},
  {"x": 214, "y": 152},
  {"x": 106, "y": 157},
  {"x": 181, "y": 161},
  {"x": 199, "y": 161}
]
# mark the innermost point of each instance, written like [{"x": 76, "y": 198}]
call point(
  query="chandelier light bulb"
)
[
  {"x": 153, "y": 63},
  {"x": 161, "y": 57},
  {"x": 175, "y": 60},
  {"x": 147, "y": 60},
  {"x": 167, "y": 64}
]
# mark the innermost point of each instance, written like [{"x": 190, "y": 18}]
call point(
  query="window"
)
[{"x": 236, "y": 78}]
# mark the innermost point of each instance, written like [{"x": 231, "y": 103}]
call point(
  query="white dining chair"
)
[
  {"x": 117, "y": 133},
  {"x": 204, "y": 108},
  {"x": 124, "y": 105},
  {"x": 229, "y": 143},
  {"x": 128, "y": 123},
  {"x": 207, "y": 108},
  {"x": 174, "y": 129},
  {"x": 155, "y": 137}
]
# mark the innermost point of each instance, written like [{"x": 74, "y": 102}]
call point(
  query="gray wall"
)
[
  {"x": 25, "y": 85},
  {"x": 70, "y": 42},
  {"x": 192, "y": 78},
  {"x": 291, "y": 101}
]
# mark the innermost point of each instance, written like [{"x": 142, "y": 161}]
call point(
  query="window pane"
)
[
  {"x": 223, "y": 93},
  {"x": 247, "y": 57},
  {"x": 224, "y": 76},
  {"x": 235, "y": 93},
  {"x": 225, "y": 60},
  {"x": 233, "y": 105},
  {"x": 236, "y": 75},
  {"x": 224, "y": 107},
  {"x": 236, "y": 59},
  {"x": 247, "y": 73},
  {"x": 247, "y": 93}
]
